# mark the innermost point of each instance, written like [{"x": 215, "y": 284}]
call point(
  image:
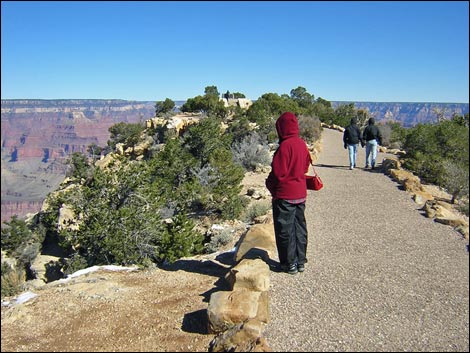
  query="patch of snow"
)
[
  {"x": 20, "y": 299},
  {"x": 217, "y": 227},
  {"x": 24, "y": 297},
  {"x": 96, "y": 268}
]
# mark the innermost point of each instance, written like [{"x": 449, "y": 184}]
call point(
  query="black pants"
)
[{"x": 290, "y": 229}]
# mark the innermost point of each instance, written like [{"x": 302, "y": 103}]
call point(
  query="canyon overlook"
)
[{"x": 38, "y": 136}]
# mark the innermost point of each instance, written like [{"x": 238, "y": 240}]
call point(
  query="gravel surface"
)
[{"x": 380, "y": 277}]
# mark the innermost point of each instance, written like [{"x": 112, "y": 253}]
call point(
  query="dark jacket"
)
[
  {"x": 290, "y": 161},
  {"x": 372, "y": 132},
  {"x": 352, "y": 135}
]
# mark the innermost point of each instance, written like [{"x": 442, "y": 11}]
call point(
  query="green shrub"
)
[
  {"x": 393, "y": 134},
  {"x": 15, "y": 235},
  {"x": 251, "y": 152},
  {"x": 256, "y": 209},
  {"x": 455, "y": 179},
  {"x": 432, "y": 149},
  {"x": 12, "y": 280},
  {"x": 310, "y": 128},
  {"x": 219, "y": 239},
  {"x": 164, "y": 107},
  {"x": 239, "y": 128},
  {"x": 180, "y": 239},
  {"x": 126, "y": 133},
  {"x": 74, "y": 263},
  {"x": 79, "y": 167},
  {"x": 28, "y": 253},
  {"x": 226, "y": 188}
]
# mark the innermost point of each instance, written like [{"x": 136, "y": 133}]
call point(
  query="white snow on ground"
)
[
  {"x": 96, "y": 268},
  {"x": 24, "y": 297}
]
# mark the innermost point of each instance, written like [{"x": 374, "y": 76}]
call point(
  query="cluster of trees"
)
[
  {"x": 438, "y": 154},
  {"x": 145, "y": 211}
]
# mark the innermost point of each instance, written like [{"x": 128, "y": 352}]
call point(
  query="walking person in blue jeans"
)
[
  {"x": 372, "y": 138},
  {"x": 351, "y": 138},
  {"x": 287, "y": 185}
]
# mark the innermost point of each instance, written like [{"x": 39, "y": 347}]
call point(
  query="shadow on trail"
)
[
  {"x": 320, "y": 165},
  {"x": 377, "y": 169}
]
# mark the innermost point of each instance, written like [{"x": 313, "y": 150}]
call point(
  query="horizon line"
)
[{"x": 183, "y": 100}]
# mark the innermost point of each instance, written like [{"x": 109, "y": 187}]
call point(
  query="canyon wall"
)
[
  {"x": 409, "y": 114},
  {"x": 37, "y": 137}
]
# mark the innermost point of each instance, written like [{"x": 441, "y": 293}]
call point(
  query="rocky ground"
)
[
  {"x": 152, "y": 310},
  {"x": 160, "y": 309}
]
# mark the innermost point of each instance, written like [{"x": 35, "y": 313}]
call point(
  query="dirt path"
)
[{"x": 380, "y": 276}]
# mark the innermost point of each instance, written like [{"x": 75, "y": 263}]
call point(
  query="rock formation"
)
[{"x": 39, "y": 135}]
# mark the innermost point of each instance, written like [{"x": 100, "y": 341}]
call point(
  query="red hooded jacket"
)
[{"x": 290, "y": 161}]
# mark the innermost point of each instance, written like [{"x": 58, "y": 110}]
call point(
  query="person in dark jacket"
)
[
  {"x": 287, "y": 185},
  {"x": 372, "y": 138},
  {"x": 351, "y": 138}
]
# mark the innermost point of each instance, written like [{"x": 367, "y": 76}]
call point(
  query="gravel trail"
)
[{"x": 380, "y": 277}]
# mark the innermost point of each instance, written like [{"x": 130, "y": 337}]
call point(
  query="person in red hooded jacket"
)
[{"x": 287, "y": 185}]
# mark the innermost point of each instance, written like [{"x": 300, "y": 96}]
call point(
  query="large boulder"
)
[
  {"x": 229, "y": 308},
  {"x": 249, "y": 274},
  {"x": 258, "y": 242}
]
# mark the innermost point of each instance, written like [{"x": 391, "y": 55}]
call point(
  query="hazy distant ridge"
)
[{"x": 407, "y": 113}]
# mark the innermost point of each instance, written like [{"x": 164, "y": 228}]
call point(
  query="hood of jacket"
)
[{"x": 287, "y": 126}]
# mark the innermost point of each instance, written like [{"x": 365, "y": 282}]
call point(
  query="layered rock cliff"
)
[
  {"x": 39, "y": 135},
  {"x": 409, "y": 114}
]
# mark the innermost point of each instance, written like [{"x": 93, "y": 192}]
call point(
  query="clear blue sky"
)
[{"x": 397, "y": 51}]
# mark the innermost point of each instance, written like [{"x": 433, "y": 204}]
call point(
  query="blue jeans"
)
[
  {"x": 352, "y": 150},
  {"x": 371, "y": 153}
]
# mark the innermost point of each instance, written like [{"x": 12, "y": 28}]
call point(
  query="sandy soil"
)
[{"x": 160, "y": 309}]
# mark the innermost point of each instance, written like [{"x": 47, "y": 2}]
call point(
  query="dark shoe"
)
[
  {"x": 292, "y": 269},
  {"x": 301, "y": 268}
]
